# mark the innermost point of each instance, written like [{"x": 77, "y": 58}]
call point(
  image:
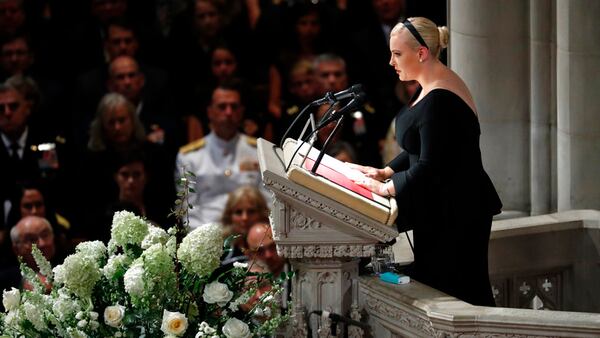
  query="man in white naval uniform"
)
[{"x": 222, "y": 161}]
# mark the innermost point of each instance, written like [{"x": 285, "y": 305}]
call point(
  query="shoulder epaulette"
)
[
  {"x": 192, "y": 146},
  {"x": 63, "y": 222},
  {"x": 251, "y": 141},
  {"x": 292, "y": 110},
  {"x": 369, "y": 108}
]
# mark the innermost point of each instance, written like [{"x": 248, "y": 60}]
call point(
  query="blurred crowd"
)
[{"x": 105, "y": 103}]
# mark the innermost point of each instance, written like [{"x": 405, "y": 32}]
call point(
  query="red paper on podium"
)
[
  {"x": 335, "y": 179},
  {"x": 338, "y": 178}
]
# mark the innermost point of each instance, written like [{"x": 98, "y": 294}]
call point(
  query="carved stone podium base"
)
[{"x": 325, "y": 284}]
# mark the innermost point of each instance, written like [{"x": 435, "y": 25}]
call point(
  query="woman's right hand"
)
[{"x": 374, "y": 173}]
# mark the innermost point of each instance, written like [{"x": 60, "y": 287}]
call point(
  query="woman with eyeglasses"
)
[{"x": 442, "y": 189}]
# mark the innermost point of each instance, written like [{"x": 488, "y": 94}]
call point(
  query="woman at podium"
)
[{"x": 442, "y": 190}]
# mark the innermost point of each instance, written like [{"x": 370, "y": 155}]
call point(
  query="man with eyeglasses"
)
[
  {"x": 29, "y": 231},
  {"x": 222, "y": 161}
]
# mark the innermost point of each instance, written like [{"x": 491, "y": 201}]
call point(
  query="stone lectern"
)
[{"x": 323, "y": 240}]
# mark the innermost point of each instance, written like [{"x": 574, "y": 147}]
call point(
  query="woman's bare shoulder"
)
[{"x": 457, "y": 86}]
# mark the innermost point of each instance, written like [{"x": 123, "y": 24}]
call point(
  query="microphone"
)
[
  {"x": 338, "y": 318},
  {"x": 354, "y": 104},
  {"x": 344, "y": 94}
]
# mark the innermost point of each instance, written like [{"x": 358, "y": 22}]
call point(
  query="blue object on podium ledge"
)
[{"x": 394, "y": 278}]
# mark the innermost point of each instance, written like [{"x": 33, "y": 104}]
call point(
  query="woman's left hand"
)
[
  {"x": 380, "y": 188},
  {"x": 369, "y": 183}
]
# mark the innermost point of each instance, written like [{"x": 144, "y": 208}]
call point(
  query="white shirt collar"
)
[
  {"x": 21, "y": 142},
  {"x": 221, "y": 143}
]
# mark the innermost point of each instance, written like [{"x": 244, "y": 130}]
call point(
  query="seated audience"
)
[
  {"x": 224, "y": 67},
  {"x": 222, "y": 161},
  {"x": 244, "y": 207},
  {"x": 117, "y": 130},
  {"x": 360, "y": 127},
  {"x": 31, "y": 201},
  {"x": 27, "y": 153},
  {"x": 302, "y": 89},
  {"x": 262, "y": 257},
  {"x": 262, "y": 250},
  {"x": 28, "y": 231}
]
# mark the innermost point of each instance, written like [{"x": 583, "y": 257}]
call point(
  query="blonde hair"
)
[
  {"x": 435, "y": 37},
  {"x": 240, "y": 194}
]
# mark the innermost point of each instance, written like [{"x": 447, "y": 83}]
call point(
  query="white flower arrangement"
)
[{"x": 146, "y": 282}]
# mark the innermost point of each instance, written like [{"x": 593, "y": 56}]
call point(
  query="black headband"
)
[{"x": 415, "y": 33}]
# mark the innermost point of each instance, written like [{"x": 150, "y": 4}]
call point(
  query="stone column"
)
[
  {"x": 489, "y": 50},
  {"x": 578, "y": 104},
  {"x": 543, "y": 103}
]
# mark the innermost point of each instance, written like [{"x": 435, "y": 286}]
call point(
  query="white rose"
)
[
  {"x": 173, "y": 323},
  {"x": 11, "y": 299},
  {"x": 235, "y": 328},
  {"x": 216, "y": 292},
  {"x": 113, "y": 315}
]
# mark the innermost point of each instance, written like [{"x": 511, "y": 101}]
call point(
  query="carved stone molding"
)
[
  {"x": 325, "y": 251},
  {"x": 355, "y": 331},
  {"x": 401, "y": 318},
  {"x": 383, "y": 236},
  {"x": 328, "y": 277},
  {"x": 299, "y": 221},
  {"x": 297, "y": 322}
]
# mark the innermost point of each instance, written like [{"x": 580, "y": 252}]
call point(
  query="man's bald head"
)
[
  {"x": 261, "y": 246},
  {"x": 32, "y": 230}
]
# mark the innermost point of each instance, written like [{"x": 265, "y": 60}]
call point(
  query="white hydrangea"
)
[
  {"x": 171, "y": 246},
  {"x": 76, "y": 333},
  {"x": 134, "y": 279},
  {"x": 159, "y": 269},
  {"x": 201, "y": 250},
  {"x": 114, "y": 264},
  {"x": 79, "y": 273},
  {"x": 35, "y": 315},
  {"x": 127, "y": 228},
  {"x": 155, "y": 235},
  {"x": 64, "y": 307},
  {"x": 96, "y": 250}
]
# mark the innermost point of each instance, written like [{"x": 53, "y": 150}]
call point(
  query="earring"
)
[{"x": 420, "y": 60}]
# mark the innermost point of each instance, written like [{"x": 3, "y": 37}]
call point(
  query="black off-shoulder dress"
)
[{"x": 445, "y": 195}]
